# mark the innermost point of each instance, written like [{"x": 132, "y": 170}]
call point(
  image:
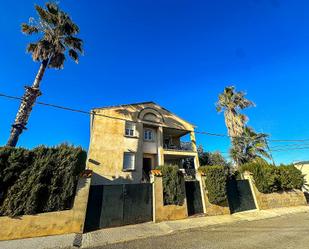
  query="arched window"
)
[{"x": 151, "y": 117}]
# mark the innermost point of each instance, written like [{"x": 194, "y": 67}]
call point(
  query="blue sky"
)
[{"x": 180, "y": 54}]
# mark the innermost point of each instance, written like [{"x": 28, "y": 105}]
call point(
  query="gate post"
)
[
  {"x": 200, "y": 180},
  {"x": 163, "y": 212},
  {"x": 152, "y": 181},
  {"x": 248, "y": 176}
]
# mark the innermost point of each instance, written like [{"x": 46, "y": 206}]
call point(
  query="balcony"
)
[
  {"x": 177, "y": 142},
  {"x": 183, "y": 146}
]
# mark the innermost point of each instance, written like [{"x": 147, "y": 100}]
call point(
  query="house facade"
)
[
  {"x": 303, "y": 166},
  {"x": 128, "y": 141}
]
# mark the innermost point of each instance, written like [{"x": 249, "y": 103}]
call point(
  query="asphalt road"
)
[{"x": 290, "y": 231}]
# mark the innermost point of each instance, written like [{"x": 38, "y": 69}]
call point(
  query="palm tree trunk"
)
[
  {"x": 230, "y": 123},
  {"x": 26, "y": 106}
]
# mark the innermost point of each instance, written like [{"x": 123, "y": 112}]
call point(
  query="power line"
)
[
  {"x": 289, "y": 145},
  {"x": 286, "y": 146},
  {"x": 107, "y": 116},
  {"x": 279, "y": 150},
  {"x": 270, "y": 140},
  {"x": 63, "y": 107},
  {"x": 300, "y": 148}
]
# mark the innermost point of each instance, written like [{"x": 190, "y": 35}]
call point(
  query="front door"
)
[{"x": 147, "y": 162}]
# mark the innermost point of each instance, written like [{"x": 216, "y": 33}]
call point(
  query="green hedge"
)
[
  {"x": 173, "y": 185},
  {"x": 290, "y": 177},
  {"x": 269, "y": 178},
  {"x": 39, "y": 180},
  {"x": 215, "y": 181}
]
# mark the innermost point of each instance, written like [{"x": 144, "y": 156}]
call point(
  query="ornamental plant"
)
[
  {"x": 40, "y": 180},
  {"x": 215, "y": 182},
  {"x": 173, "y": 185},
  {"x": 269, "y": 178},
  {"x": 290, "y": 177}
]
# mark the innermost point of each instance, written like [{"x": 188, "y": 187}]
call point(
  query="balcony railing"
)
[{"x": 184, "y": 146}]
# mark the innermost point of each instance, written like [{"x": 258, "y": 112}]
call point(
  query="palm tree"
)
[
  {"x": 231, "y": 103},
  {"x": 57, "y": 38},
  {"x": 249, "y": 146}
]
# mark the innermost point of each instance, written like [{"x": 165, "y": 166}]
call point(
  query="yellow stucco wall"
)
[
  {"x": 163, "y": 212},
  {"x": 304, "y": 168},
  {"x": 107, "y": 145},
  {"x": 213, "y": 209},
  {"x": 52, "y": 223},
  {"x": 108, "y": 141}
]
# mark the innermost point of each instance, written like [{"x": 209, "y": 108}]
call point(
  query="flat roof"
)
[{"x": 302, "y": 162}]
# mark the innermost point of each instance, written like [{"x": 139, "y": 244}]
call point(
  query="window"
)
[
  {"x": 128, "y": 161},
  {"x": 130, "y": 129},
  {"x": 148, "y": 135},
  {"x": 151, "y": 117}
]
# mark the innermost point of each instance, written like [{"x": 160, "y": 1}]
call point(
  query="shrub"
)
[
  {"x": 269, "y": 178},
  {"x": 215, "y": 181},
  {"x": 39, "y": 180},
  {"x": 290, "y": 177},
  {"x": 265, "y": 176},
  {"x": 173, "y": 185}
]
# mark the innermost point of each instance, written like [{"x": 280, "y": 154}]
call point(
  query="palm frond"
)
[
  {"x": 58, "y": 32},
  {"x": 43, "y": 14},
  {"x": 57, "y": 61},
  {"x": 59, "y": 47},
  {"x": 69, "y": 28},
  {"x": 31, "y": 47},
  {"x": 74, "y": 55},
  {"x": 52, "y": 8},
  {"x": 74, "y": 43},
  {"x": 29, "y": 29},
  {"x": 219, "y": 107}
]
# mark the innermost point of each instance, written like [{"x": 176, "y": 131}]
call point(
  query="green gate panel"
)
[
  {"x": 194, "y": 197},
  {"x": 118, "y": 205},
  {"x": 137, "y": 203},
  {"x": 112, "y": 206},
  {"x": 93, "y": 214},
  {"x": 240, "y": 195}
]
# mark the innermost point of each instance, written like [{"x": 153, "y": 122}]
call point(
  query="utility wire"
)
[
  {"x": 271, "y": 140},
  {"x": 290, "y": 147},
  {"x": 279, "y": 150},
  {"x": 62, "y": 107},
  {"x": 300, "y": 148},
  {"x": 286, "y": 146},
  {"x": 107, "y": 116}
]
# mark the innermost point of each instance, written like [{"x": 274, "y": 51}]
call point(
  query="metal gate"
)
[
  {"x": 194, "y": 198},
  {"x": 118, "y": 205},
  {"x": 240, "y": 195}
]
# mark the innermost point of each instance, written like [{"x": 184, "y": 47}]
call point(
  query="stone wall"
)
[
  {"x": 275, "y": 200},
  {"x": 213, "y": 209},
  {"x": 163, "y": 212},
  {"x": 52, "y": 223}
]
